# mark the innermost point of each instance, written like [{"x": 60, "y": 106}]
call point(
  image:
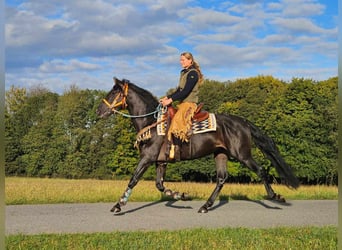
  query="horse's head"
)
[{"x": 115, "y": 99}]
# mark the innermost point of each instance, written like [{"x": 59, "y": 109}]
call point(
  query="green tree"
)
[
  {"x": 212, "y": 94},
  {"x": 15, "y": 128},
  {"x": 298, "y": 125},
  {"x": 246, "y": 97},
  {"x": 326, "y": 110},
  {"x": 36, "y": 143},
  {"x": 78, "y": 133},
  {"x": 125, "y": 157}
]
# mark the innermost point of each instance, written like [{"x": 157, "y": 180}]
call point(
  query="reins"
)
[
  {"x": 158, "y": 109},
  {"x": 124, "y": 105},
  {"x": 145, "y": 133}
]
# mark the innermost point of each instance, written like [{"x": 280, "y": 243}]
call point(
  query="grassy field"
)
[
  {"x": 320, "y": 238},
  {"x": 43, "y": 191}
]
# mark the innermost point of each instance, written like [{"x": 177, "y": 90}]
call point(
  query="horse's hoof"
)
[
  {"x": 278, "y": 198},
  {"x": 185, "y": 197},
  {"x": 116, "y": 209},
  {"x": 203, "y": 210},
  {"x": 281, "y": 198},
  {"x": 168, "y": 192}
]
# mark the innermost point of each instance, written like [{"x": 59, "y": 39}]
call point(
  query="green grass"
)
[
  {"x": 323, "y": 238},
  {"x": 43, "y": 191}
]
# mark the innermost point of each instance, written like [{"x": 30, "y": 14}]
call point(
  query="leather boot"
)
[{"x": 177, "y": 142}]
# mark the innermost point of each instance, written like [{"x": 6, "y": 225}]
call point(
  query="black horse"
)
[{"x": 232, "y": 138}]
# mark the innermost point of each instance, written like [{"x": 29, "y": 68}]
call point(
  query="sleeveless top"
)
[{"x": 193, "y": 96}]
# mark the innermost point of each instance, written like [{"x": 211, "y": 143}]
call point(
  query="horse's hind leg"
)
[
  {"x": 264, "y": 176},
  {"x": 221, "y": 174},
  {"x": 161, "y": 170}
]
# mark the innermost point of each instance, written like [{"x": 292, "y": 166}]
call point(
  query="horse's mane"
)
[{"x": 147, "y": 97}]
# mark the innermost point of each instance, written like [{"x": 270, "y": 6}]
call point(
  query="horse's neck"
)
[{"x": 140, "y": 109}]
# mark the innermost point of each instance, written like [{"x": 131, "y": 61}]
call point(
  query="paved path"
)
[{"x": 167, "y": 215}]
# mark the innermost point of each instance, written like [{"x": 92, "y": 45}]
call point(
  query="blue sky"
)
[{"x": 58, "y": 43}]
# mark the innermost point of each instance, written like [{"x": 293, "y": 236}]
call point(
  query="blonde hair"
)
[{"x": 189, "y": 56}]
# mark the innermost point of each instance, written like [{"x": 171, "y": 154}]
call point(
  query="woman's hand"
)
[{"x": 165, "y": 101}]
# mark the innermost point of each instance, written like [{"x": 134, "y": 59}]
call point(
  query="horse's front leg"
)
[
  {"x": 138, "y": 173},
  {"x": 161, "y": 170}
]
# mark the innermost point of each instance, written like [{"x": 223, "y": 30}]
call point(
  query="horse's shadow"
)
[
  {"x": 169, "y": 203},
  {"x": 138, "y": 208},
  {"x": 223, "y": 199},
  {"x": 260, "y": 202}
]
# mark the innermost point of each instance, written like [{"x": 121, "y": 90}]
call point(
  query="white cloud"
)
[
  {"x": 206, "y": 18},
  {"x": 302, "y": 8},
  {"x": 298, "y": 26},
  {"x": 25, "y": 28},
  {"x": 59, "y": 66}
]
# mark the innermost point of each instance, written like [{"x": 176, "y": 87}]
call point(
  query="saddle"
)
[
  {"x": 200, "y": 115},
  {"x": 170, "y": 150}
]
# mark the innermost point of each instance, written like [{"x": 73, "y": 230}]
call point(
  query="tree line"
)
[{"x": 52, "y": 135}]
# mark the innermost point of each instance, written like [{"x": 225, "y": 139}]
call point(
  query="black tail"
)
[{"x": 268, "y": 147}]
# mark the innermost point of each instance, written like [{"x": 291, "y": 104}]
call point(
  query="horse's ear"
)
[{"x": 117, "y": 82}]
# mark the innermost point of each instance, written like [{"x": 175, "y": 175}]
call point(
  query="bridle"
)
[
  {"x": 145, "y": 133},
  {"x": 116, "y": 103},
  {"x": 123, "y": 95}
]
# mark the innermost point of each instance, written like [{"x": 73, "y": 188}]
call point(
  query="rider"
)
[{"x": 187, "y": 94}]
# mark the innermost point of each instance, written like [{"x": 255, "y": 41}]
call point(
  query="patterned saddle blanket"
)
[{"x": 198, "y": 127}]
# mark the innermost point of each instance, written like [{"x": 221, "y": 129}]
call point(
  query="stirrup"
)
[{"x": 172, "y": 152}]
